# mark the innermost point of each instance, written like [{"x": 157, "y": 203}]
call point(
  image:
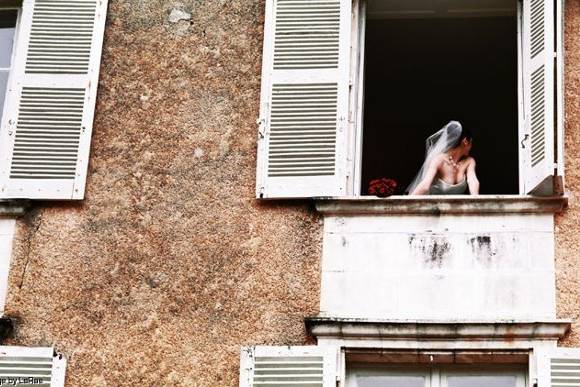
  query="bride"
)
[{"x": 448, "y": 169}]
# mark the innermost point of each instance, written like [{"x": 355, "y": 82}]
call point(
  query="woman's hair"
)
[{"x": 465, "y": 133}]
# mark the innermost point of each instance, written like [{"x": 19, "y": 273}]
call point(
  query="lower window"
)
[{"x": 436, "y": 376}]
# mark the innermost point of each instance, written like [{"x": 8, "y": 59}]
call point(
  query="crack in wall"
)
[{"x": 33, "y": 221}]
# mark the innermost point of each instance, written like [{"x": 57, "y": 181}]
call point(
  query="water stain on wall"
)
[{"x": 433, "y": 250}]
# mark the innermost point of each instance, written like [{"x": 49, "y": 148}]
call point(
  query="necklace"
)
[{"x": 452, "y": 162}]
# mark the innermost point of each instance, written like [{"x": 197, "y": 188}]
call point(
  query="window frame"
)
[
  {"x": 438, "y": 374},
  {"x": 356, "y": 113},
  {"x": 18, "y": 10}
]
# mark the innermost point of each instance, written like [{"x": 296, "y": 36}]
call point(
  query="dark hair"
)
[{"x": 465, "y": 133}]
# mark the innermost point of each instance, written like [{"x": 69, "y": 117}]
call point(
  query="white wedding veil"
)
[{"x": 437, "y": 143}]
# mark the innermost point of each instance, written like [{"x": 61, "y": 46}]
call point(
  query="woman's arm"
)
[
  {"x": 472, "y": 180},
  {"x": 423, "y": 187}
]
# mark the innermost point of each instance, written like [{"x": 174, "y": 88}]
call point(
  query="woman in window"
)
[{"x": 448, "y": 169}]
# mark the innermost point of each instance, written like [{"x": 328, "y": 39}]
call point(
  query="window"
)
[
  {"x": 436, "y": 376},
  {"x": 8, "y": 22},
  {"x": 350, "y": 90},
  {"x": 425, "y": 66}
]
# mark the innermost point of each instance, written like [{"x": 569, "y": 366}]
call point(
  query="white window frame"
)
[
  {"x": 437, "y": 375},
  {"x": 356, "y": 123},
  {"x": 18, "y": 10}
]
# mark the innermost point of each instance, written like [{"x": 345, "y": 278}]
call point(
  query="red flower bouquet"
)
[{"x": 382, "y": 187}]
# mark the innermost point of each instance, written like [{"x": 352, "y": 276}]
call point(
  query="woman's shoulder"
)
[{"x": 468, "y": 160}]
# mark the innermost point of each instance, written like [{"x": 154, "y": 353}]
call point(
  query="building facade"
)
[{"x": 203, "y": 249}]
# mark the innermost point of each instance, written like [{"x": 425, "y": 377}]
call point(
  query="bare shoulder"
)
[
  {"x": 470, "y": 162},
  {"x": 438, "y": 160}
]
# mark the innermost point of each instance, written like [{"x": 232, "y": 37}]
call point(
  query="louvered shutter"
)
[
  {"x": 46, "y": 130},
  {"x": 304, "y": 100},
  {"x": 558, "y": 367},
  {"x": 39, "y": 367},
  {"x": 289, "y": 366},
  {"x": 537, "y": 139}
]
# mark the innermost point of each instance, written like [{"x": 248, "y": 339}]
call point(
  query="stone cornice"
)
[
  {"x": 449, "y": 204},
  {"x": 496, "y": 331}
]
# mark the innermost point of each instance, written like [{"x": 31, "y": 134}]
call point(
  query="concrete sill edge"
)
[
  {"x": 437, "y": 205},
  {"x": 353, "y": 327}
]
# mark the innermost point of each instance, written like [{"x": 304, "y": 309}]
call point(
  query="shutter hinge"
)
[
  {"x": 261, "y": 127},
  {"x": 524, "y": 140}
]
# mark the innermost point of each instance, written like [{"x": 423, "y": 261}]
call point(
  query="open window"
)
[
  {"x": 351, "y": 89},
  {"x": 429, "y": 62}
]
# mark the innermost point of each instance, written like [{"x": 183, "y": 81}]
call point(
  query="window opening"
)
[
  {"x": 428, "y": 65},
  {"x": 8, "y": 20},
  {"x": 436, "y": 375}
]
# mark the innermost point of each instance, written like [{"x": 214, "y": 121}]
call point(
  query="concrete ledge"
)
[
  {"x": 435, "y": 334},
  {"x": 446, "y": 204},
  {"x": 13, "y": 208}
]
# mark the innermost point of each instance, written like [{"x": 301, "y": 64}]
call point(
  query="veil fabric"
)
[{"x": 439, "y": 142}]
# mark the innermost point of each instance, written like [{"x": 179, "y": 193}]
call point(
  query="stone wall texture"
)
[
  {"x": 568, "y": 223},
  {"x": 169, "y": 264}
]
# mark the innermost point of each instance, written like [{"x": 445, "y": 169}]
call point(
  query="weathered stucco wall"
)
[
  {"x": 568, "y": 223},
  {"x": 169, "y": 264}
]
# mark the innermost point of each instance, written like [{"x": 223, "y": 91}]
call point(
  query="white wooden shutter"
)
[
  {"x": 46, "y": 130},
  {"x": 558, "y": 367},
  {"x": 304, "y": 100},
  {"x": 537, "y": 139},
  {"x": 289, "y": 366},
  {"x": 23, "y": 366}
]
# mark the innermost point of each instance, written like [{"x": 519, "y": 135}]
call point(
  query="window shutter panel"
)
[
  {"x": 538, "y": 66},
  {"x": 25, "y": 366},
  {"x": 558, "y": 367},
  {"x": 277, "y": 366},
  {"x": 304, "y": 101},
  {"x": 46, "y": 130}
]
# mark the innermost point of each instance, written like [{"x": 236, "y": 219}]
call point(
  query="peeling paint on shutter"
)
[
  {"x": 537, "y": 139},
  {"x": 304, "y": 101},
  {"x": 46, "y": 130},
  {"x": 288, "y": 366},
  {"x": 25, "y": 366}
]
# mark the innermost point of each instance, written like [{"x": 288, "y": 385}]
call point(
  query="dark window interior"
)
[{"x": 422, "y": 73}]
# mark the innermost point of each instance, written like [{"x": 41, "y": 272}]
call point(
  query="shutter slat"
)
[
  {"x": 302, "y": 151},
  {"x": 537, "y": 135},
  {"x": 51, "y": 103},
  {"x": 289, "y": 366},
  {"x": 24, "y": 366}
]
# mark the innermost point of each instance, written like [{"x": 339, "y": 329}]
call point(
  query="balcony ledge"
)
[
  {"x": 444, "y": 204},
  {"x": 507, "y": 334}
]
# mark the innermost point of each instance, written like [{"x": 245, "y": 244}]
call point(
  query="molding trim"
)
[
  {"x": 437, "y": 205},
  {"x": 435, "y": 334}
]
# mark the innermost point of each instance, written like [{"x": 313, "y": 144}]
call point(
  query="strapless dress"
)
[{"x": 440, "y": 187}]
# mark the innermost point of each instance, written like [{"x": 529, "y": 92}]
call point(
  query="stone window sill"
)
[{"x": 444, "y": 204}]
